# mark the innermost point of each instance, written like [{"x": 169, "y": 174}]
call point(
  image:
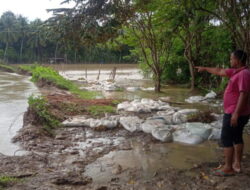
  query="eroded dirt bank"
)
[{"x": 60, "y": 161}]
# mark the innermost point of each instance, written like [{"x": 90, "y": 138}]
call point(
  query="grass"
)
[
  {"x": 51, "y": 76},
  {"x": 6, "y": 181},
  {"x": 7, "y": 68},
  {"x": 116, "y": 102},
  {"x": 100, "y": 110},
  {"x": 40, "y": 106}
]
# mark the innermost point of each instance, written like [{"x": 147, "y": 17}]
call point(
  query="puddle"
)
[
  {"x": 155, "y": 158},
  {"x": 96, "y": 144}
]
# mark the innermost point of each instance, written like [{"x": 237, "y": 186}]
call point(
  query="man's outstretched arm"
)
[{"x": 213, "y": 70}]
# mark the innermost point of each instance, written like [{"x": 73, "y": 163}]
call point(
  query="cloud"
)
[{"x": 32, "y": 9}]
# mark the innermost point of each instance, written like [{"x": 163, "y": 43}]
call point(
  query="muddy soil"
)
[{"x": 60, "y": 161}]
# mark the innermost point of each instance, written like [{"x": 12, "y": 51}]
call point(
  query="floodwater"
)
[
  {"x": 154, "y": 159},
  {"x": 128, "y": 75},
  {"x": 14, "y": 92}
]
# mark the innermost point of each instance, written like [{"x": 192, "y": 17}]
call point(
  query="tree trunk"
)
[
  {"x": 157, "y": 81},
  {"x": 191, "y": 69},
  {"x": 5, "y": 52},
  {"x": 56, "y": 51},
  {"x": 21, "y": 51},
  {"x": 75, "y": 56},
  {"x": 189, "y": 58}
]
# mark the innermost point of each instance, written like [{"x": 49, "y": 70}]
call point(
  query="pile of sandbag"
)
[
  {"x": 143, "y": 105},
  {"x": 81, "y": 121},
  {"x": 102, "y": 86},
  {"x": 133, "y": 89},
  {"x": 204, "y": 99},
  {"x": 188, "y": 133},
  {"x": 167, "y": 124},
  {"x": 176, "y": 116}
]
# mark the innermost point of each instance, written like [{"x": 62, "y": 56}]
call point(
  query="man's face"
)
[{"x": 234, "y": 62}]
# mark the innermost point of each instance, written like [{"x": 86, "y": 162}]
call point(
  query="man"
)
[{"x": 236, "y": 111}]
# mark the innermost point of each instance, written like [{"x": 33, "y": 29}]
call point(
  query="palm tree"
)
[
  {"x": 23, "y": 30},
  {"x": 8, "y": 30},
  {"x": 37, "y": 38}
]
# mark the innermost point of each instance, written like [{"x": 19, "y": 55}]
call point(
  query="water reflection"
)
[{"x": 157, "y": 158}]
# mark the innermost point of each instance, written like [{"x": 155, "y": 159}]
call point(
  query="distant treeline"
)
[{"x": 23, "y": 41}]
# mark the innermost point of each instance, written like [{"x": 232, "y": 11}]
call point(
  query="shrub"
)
[{"x": 40, "y": 106}]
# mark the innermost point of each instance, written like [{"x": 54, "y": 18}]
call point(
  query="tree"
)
[
  {"x": 150, "y": 36},
  {"x": 7, "y": 28},
  {"x": 188, "y": 24},
  {"x": 22, "y": 27},
  {"x": 37, "y": 38},
  {"x": 235, "y": 15}
]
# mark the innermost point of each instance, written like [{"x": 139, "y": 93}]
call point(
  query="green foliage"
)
[
  {"x": 49, "y": 75},
  {"x": 6, "y": 180},
  {"x": 177, "y": 70},
  {"x": 116, "y": 102},
  {"x": 7, "y": 68},
  {"x": 40, "y": 106},
  {"x": 99, "y": 110},
  {"x": 23, "y": 41}
]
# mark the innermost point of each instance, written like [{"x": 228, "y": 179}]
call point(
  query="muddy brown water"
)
[
  {"x": 128, "y": 75},
  {"x": 14, "y": 92}
]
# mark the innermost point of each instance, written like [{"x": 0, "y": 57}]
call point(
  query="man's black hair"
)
[{"x": 241, "y": 56}]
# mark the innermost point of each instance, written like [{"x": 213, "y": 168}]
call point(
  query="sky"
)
[{"x": 31, "y": 9}]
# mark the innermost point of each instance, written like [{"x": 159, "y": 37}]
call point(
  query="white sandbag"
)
[
  {"x": 147, "y": 89},
  {"x": 194, "y": 99},
  {"x": 132, "y": 123},
  {"x": 215, "y": 134},
  {"x": 132, "y": 89},
  {"x": 200, "y": 129},
  {"x": 110, "y": 88},
  {"x": 123, "y": 106},
  {"x": 164, "y": 107},
  {"x": 152, "y": 123},
  {"x": 165, "y": 99},
  {"x": 179, "y": 118},
  {"x": 77, "y": 121},
  {"x": 166, "y": 112},
  {"x": 184, "y": 136},
  {"x": 210, "y": 95},
  {"x": 81, "y": 121},
  {"x": 188, "y": 111},
  {"x": 144, "y": 106},
  {"x": 147, "y": 101},
  {"x": 216, "y": 124},
  {"x": 162, "y": 134},
  {"x": 103, "y": 122}
]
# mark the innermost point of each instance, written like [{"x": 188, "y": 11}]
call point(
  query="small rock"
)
[
  {"x": 115, "y": 179},
  {"x": 60, "y": 137},
  {"x": 74, "y": 152},
  {"x": 117, "y": 170},
  {"x": 102, "y": 188}
]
